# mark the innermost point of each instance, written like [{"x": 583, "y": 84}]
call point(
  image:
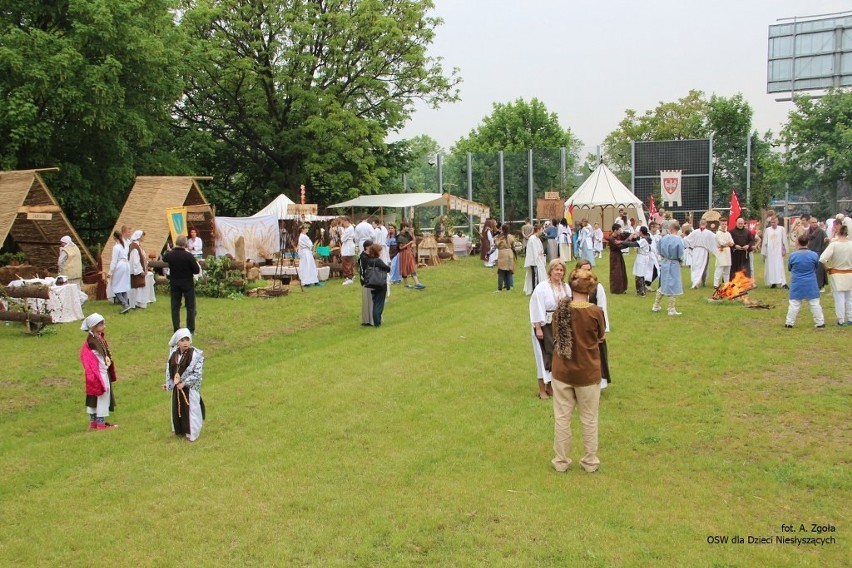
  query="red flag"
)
[
  {"x": 652, "y": 208},
  {"x": 735, "y": 209},
  {"x": 569, "y": 216}
]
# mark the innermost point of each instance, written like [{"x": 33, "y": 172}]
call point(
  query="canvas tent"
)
[
  {"x": 33, "y": 218},
  {"x": 279, "y": 208},
  {"x": 146, "y": 206},
  {"x": 259, "y": 235},
  {"x": 600, "y": 197}
]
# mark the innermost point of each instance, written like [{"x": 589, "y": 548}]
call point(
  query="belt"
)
[{"x": 840, "y": 270}]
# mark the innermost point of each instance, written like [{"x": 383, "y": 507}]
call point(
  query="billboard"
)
[{"x": 809, "y": 54}]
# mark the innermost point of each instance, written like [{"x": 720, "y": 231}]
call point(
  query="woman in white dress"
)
[
  {"x": 141, "y": 286},
  {"x": 119, "y": 272},
  {"x": 543, "y": 303},
  {"x": 307, "y": 266},
  {"x": 643, "y": 268}
]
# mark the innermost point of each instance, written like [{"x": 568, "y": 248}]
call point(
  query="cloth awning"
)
[{"x": 394, "y": 200}]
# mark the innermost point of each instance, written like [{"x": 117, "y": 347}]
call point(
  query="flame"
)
[{"x": 738, "y": 286}]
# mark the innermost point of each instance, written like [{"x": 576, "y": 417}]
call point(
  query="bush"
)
[{"x": 220, "y": 280}]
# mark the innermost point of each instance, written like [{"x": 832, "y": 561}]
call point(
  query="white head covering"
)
[
  {"x": 66, "y": 240},
  {"x": 92, "y": 321},
  {"x": 180, "y": 334},
  {"x": 137, "y": 234}
]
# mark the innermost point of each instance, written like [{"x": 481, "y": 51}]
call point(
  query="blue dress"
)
[
  {"x": 394, "y": 273},
  {"x": 671, "y": 253},
  {"x": 802, "y": 265}
]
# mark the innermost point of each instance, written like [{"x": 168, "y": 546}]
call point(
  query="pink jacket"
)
[{"x": 92, "y": 367}]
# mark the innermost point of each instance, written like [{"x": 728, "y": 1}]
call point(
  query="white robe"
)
[
  {"x": 347, "y": 241},
  {"x": 702, "y": 243},
  {"x": 364, "y": 232},
  {"x": 723, "y": 253},
  {"x": 307, "y": 266},
  {"x": 534, "y": 260},
  {"x": 492, "y": 246},
  {"x": 597, "y": 239},
  {"x": 141, "y": 297},
  {"x": 119, "y": 268},
  {"x": 542, "y": 301},
  {"x": 773, "y": 248},
  {"x": 644, "y": 265}
]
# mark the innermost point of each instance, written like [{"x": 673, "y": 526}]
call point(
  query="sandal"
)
[{"x": 543, "y": 396}]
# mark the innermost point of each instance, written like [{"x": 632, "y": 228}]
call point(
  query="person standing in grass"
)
[
  {"x": 505, "y": 259},
  {"x": 543, "y": 303},
  {"x": 802, "y": 264},
  {"x": 838, "y": 258},
  {"x": 70, "y": 261},
  {"x": 371, "y": 260},
  {"x": 724, "y": 242},
  {"x": 183, "y": 378},
  {"x": 406, "y": 242},
  {"x": 618, "y": 242},
  {"x": 347, "y": 250},
  {"x": 99, "y": 369},
  {"x": 366, "y": 293},
  {"x": 182, "y": 270},
  {"x": 534, "y": 261},
  {"x": 578, "y": 329},
  {"x": 671, "y": 280},
  {"x": 774, "y": 249},
  {"x": 598, "y": 298},
  {"x": 307, "y": 265}
]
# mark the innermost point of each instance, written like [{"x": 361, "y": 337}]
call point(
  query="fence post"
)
[
  {"x": 439, "y": 161},
  {"x": 502, "y": 183},
  {"x": 530, "y": 178},
  {"x": 748, "y": 169},
  {"x": 710, "y": 178},
  {"x": 469, "y": 191}
]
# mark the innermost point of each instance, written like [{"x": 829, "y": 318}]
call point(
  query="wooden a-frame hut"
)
[
  {"x": 33, "y": 218},
  {"x": 146, "y": 206}
]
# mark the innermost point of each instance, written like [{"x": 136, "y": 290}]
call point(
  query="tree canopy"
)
[
  {"x": 281, "y": 93},
  {"x": 88, "y": 86},
  {"x": 819, "y": 135}
]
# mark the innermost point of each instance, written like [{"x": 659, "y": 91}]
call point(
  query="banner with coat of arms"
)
[{"x": 670, "y": 187}]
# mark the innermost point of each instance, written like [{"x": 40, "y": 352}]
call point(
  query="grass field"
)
[{"x": 422, "y": 443}]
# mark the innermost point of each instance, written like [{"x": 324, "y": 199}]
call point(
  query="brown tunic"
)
[
  {"x": 138, "y": 280},
  {"x": 584, "y": 367},
  {"x": 617, "y": 268}
]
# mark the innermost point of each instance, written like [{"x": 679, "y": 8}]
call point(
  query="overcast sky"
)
[{"x": 589, "y": 61}]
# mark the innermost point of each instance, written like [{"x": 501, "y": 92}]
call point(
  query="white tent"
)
[
  {"x": 600, "y": 197},
  {"x": 278, "y": 207}
]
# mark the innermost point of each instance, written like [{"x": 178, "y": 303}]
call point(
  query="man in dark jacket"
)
[{"x": 182, "y": 267}]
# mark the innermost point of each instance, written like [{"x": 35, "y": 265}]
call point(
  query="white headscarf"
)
[
  {"x": 92, "y": 321},
  {"x": 66, "y": 240},
  {"x": 180, "y": 334},
  {"x": 137, "y": 235}
]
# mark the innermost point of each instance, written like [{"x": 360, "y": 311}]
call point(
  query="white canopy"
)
[
  {"x": 600, "y": 197},
  {"x": 395, "y": 200}
]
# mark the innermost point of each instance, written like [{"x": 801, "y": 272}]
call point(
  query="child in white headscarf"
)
[
  {"x": 183, "y": 378},
  {"x": 100, "y": 372}
]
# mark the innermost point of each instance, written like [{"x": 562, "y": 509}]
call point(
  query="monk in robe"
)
[
  {"x": 618, "y": 241},
  {"x": 743, "y": 246}
]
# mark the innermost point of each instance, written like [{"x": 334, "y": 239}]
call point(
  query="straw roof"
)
[
  {"x": 34, "y": 219},
  {"x": 146, "y": 206}
]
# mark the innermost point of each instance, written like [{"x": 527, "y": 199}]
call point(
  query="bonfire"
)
[{"x": 738, "y": 289}]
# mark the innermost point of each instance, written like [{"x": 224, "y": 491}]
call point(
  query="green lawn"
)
[{"x": 422, "y": 443}]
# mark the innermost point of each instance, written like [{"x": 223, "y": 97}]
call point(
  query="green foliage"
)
[
  {"x": 283, "y": 93},
  {"x": 88, "y": 86},
  {"x": 819, "y": 135},
  {"x": 220, "y": 280},
  {"x": 8, "y": 257}
]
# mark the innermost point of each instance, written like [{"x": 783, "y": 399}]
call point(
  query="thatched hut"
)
[
  {"x": 146, "y": 206},
  {"x": 33, "y": 220}
]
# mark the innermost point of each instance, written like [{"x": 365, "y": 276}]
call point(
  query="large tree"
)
[
  {"x": 819, "y": 136},
  {"x": 88, "y": 86},
  {"x": 282, "y": 93},
  {"x": 515, "y": 128}
]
